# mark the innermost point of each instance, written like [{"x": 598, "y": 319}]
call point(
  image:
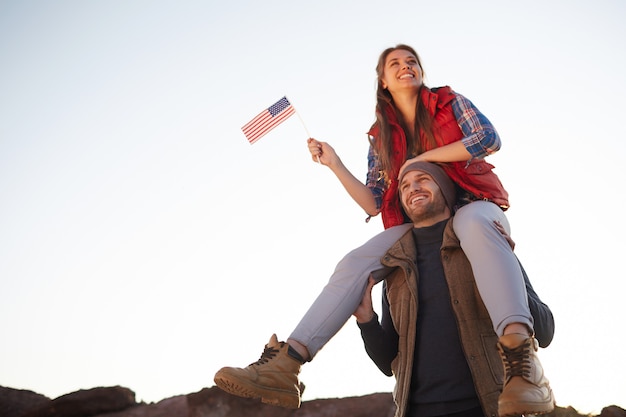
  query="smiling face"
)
[
  {"x": 422, "y": 199},
  {"x": 401, "y": 71}
]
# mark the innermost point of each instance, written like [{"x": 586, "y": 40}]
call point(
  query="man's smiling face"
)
[{"x": 422, "y": 200}]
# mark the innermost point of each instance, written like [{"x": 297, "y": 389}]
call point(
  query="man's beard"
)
[{"x": 430, "y": 211}]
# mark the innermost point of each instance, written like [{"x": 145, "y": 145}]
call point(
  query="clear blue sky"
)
[{"x": 144, "y": 242}]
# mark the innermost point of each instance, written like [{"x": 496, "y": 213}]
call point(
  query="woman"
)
[{"x": 414, "y": 123}]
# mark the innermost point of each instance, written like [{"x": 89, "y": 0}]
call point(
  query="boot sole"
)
[
  {"x": 513, "y": 409},
  {"x": 250, "y": 390}
]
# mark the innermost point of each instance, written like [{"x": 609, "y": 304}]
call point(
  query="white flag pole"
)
[{"x": 304, "y": 126}]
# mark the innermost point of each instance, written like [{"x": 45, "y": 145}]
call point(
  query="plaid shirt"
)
[{"x": 480, "y": 139}]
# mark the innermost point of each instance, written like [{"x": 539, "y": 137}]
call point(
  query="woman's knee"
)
[{"x": 477, "y": 218}]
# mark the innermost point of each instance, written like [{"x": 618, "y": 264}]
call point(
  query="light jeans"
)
[
  {"x": 496, "y": 270},
  {"x": 344, "y": 291}
]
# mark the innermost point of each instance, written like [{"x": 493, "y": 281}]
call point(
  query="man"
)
[
  {"x": 274, "y": 377},
  {"x": 436, "y": 336}
]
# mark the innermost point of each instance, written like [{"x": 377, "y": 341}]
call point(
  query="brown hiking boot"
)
[
  {"x": 526, "y": 389},
  {"x": 273, "y": 378}
]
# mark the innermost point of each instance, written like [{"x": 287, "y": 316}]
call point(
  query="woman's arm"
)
[
  {"x": 452, "y": 152},
  {"x": 323, "y": 153},
  {"x": 480, "y": 138}
]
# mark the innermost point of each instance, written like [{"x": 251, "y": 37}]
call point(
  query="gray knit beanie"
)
[{"x": 448, "y": 188}]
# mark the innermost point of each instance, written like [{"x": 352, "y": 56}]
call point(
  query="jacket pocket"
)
[
  {"x": 482, "y": 178},
  {"x": 490, "y": 342}
]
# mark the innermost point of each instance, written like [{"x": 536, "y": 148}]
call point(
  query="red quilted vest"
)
[{"x": 477, "y": 177}]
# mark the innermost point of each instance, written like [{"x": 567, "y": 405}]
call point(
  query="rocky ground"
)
[{"x": 209, "y": 402}]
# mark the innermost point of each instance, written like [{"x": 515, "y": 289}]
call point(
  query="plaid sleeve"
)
[
  {"x": 375, "y": 182},
  {"x": 480, "y": 137}
]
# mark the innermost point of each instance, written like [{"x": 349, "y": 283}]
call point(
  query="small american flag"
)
[{"x": 268, "y": 119}]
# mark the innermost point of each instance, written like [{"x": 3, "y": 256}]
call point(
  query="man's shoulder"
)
[{"x": 450, "y": 239}]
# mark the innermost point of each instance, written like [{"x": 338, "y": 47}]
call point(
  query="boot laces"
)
[
  {"x": 268, "y": 353},
  {"x": 517, "y": 361}
]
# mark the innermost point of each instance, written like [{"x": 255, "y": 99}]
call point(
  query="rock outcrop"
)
[{"x": 209, "y": 402}]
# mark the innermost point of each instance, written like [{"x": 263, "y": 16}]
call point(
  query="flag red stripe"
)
[
  {"x": 258, "y": 122},
  {"x": 262, "y": 116},
  {"x": 267, "y": 125},
  {"x": 264, "y": 122}
]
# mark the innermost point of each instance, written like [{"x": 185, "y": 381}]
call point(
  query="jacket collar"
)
[{"x": 404, "y": 249}]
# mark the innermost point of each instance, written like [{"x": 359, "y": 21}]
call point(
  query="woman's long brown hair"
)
[{"x": 423, "y": 120}]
